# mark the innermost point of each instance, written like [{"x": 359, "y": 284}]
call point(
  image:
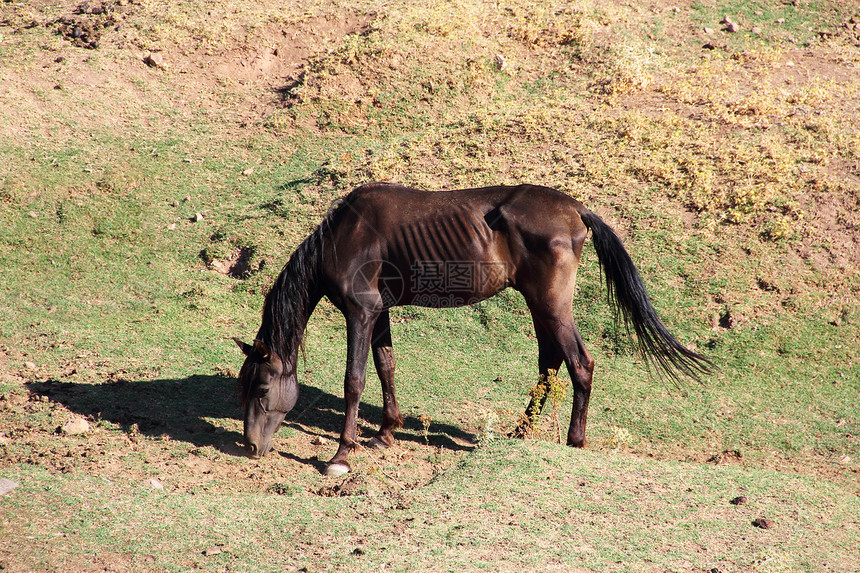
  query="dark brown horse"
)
[{"x": 385, "y": 245}]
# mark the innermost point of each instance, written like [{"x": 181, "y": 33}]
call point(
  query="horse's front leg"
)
[
  {"x": 383, "y": 358},
  {"x": 358, "y": 331}
]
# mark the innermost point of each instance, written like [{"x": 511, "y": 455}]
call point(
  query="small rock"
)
[
  {"x": 154, "y": 60},
  {"x": 762, "y": 523},
  {"x": 75, "y": 427},
  {"x": 197, "y": 218},
  {"x": 319, "y": 441},
  {"x": 214, "y": 550},
  {"x": 220, "y": 267},
  {"x": 780, "y": 20},
  {"x": 30, "y": 365},
  {"x": 248, "y": 171},
  {"x": 7, "y": 485},
  {"x": 730, "y": 25},
  {"x": 33, "y": 215},
  {"x": 709, "y": 31},
  {"x": 154, "y": 483},
  {"x": 500, "y": 62},
  {"x": 739, "y": 500},
  {"x": 756, "y": 30}
]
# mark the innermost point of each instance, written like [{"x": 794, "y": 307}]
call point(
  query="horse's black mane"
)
[{"x": 290, "y": 300}]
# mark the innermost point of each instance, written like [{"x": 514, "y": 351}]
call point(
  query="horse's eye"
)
[{"x": 262, "y": 390}]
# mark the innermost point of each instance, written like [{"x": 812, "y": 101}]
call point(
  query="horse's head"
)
[{"x": 269, "y": 390}]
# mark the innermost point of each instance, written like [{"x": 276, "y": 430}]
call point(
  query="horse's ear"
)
[
  {"x": 261, "y": 349},
  {"x": 245, "y": 348}
]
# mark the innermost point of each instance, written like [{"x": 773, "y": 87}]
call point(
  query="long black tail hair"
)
[{"x": 626, "y": 293}]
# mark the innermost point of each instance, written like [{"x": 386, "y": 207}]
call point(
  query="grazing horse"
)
[{"x": 385, "y": 245}]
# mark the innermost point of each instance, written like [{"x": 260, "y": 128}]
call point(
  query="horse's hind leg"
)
[
  {"x": 580, "y": 365},
  {"x": 383, "y": 359}
]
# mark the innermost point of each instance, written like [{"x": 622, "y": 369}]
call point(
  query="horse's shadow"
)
[{"x": 189, "y": 410}]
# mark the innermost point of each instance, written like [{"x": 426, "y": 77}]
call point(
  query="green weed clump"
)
[
  {"x": 489, "y": 432},
  {"x": 551, "y": 389}
]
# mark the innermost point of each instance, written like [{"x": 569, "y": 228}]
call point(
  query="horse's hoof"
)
[
  {"x": 336, "y": 470},
  {"x": 375, "y": 443}
]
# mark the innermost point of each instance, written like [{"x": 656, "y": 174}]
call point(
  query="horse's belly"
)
[{"x": 454, "y": 282}]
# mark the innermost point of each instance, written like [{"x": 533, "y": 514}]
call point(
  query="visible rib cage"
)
[{"x": 448, "y": 236}]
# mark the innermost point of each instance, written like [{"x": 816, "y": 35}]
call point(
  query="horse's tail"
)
[{"x": 626, "y": 292}]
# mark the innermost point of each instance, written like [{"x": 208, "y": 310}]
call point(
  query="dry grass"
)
[{"x": 737, "y": 137}]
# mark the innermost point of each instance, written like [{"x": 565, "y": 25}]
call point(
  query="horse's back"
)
[
  {"x": 459, "y": 223},
  {"x": 408, "y": 204}
]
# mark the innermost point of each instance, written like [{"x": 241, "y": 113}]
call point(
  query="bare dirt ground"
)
[
  {"x": 254, "y": 66},
  {"x": 168, "y": 434}
]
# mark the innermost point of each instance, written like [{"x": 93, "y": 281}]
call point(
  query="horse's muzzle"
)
[{"x": 256, "y": 452}]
